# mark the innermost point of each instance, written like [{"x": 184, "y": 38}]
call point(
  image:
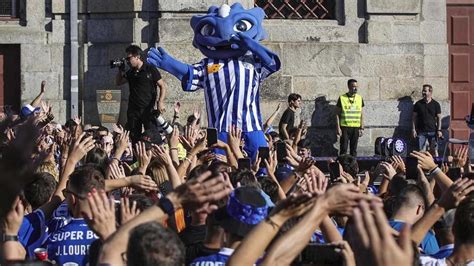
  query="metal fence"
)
[{"x": 298, "y": 9}]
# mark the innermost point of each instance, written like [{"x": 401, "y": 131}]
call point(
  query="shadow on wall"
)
[
  {"x": 404, "y": 126},
  {"x": 322, "y": 132}
]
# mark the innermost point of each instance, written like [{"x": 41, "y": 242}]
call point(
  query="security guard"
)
[{"x": 350, "y": 124}]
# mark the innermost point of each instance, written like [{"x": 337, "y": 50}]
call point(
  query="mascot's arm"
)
[
  {"x": 269, "y": 58},
  {"x": 161, "y": 59}
]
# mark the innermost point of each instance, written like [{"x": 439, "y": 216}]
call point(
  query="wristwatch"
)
[{"x": 6, "y": 238}]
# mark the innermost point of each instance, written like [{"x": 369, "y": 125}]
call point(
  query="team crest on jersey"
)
[{"x": 213, "y": 68}]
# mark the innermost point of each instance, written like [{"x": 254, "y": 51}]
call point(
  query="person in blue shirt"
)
[
  {"x": 409, "y": 208},
  {"x": 70, "y": 236},
  {"x": 245, "y": 209}
]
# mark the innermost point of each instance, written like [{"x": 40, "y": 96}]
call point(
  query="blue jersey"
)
[
  {"x": 33, "y": 231},
  {"x": 218, "y": 259},
  {"x": 71, "y": 243},
  {"x": 231, "y": 89},
  {"x": 429, "y": 244}
]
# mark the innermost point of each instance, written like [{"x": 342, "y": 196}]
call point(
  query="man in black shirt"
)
[
  {"x": 287, "y": 120},
  {"x": 427, "y": 121},
  {"x": 144, "y": 81}
]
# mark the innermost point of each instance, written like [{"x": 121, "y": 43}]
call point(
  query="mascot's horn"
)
[{"x": 224, "y": 11}]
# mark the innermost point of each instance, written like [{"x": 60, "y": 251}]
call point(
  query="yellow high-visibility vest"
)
[{"x": 351, "y": 110}]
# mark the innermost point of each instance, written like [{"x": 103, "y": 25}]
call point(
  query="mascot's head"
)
[{"x": 213, "y": 31}]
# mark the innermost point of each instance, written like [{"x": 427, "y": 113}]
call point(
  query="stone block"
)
[
  {"x": 410, "y": 65},
  {"x": 387, "y": 113},
  {"x": 379, "y": 32},
  {"x": 406, "y": 32},
  {"x": 393, "y": 88},
  {"x": 308, "y": 59},
  {"x": 146, "y": 30},
  {"x": 318, "y": 31},
  {"x": 35, "y": 58},
  {"x": 31, "y": 83},
  {"x": 276, "y": 87},
  {"x": 386, "y": 49},
  {"x": 332, "y": 87},
  {"x": 197, "y": 6},
  {"x": 394, "y": 7},
  {"x": 59, "y": 6},
  {"x": 440, "y": 87},
  {"x": 429, "y": 30},
  {"x": 110, "y": 30},
  {"x": 169, "y": 27},
  {"x": 436, "y": 49},
  {"x": 60, "y": 56},
  {"x": 436, "y": 65},
  {"x": 35, "y": 13},
  {"x": 16, "y": 35},
  {"x": 60, "y": 31},
  {"x": 434, "y": 10}
]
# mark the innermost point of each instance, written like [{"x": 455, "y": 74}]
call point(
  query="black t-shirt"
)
[
  {"x": 142, "y": 85},
  {"x": 193, "y": 234},
  {"x": 287, "y": 118},
  {"x": 198, "y": 250},
  {"x": 427, "y": 113}
]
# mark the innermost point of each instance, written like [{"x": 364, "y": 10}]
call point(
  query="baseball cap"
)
[{"x": 28, "y": 110}]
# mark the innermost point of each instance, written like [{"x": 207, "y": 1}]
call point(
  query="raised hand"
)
[
  {"x": 370, "y": 237},
  {"x": 43, "y": 85},
  {"x": 117, "y": 128},
  {"x": 177, "y": 107},
  {"x": 456, "y": 193},
  {"x": 142, "y": 182},
  {"x": 128, "y": 211},
  {"x": 425, "y": 160},
  {"x": 81, "y": 147},
  {"x": 292, "y": 206},
  {"x": 343, "y": 198},
  {"x": 14, "y": 218},
  {"x": 200, "y": 194},
  {"x": 161, "y": 155},
  {"x": 116, "y": 171},
  {"x": 144, "y": 157},
  {"x": 460, "y": 156},
  {"x": 102, "y": 214},
  {"x": 398, "y": 164}
]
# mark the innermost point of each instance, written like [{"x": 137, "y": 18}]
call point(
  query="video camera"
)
[{"x": 120, "y": 63}]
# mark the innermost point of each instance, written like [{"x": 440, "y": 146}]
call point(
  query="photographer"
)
[{"x": 144, "y": 82}]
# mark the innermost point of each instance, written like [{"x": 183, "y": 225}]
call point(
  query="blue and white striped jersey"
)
[{"x": 231, "y": 87}]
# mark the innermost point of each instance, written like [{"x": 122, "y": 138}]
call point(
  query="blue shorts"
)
[{"x": 253, "y": 140}]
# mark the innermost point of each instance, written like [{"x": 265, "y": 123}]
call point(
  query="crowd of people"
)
[{"x": 78, "y": 194}]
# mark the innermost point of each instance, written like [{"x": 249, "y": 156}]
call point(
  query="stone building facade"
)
[{"x": 390, "y": 47}]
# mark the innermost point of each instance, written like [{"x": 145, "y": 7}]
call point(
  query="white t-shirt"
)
[{"x": 430, "y": 261}]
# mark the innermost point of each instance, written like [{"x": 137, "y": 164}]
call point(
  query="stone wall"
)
[{"x": 391, "y": 47}]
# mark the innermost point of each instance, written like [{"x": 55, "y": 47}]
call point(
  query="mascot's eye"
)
[
  {"x": 242, "y": 25},
  {"x": 207, "y": 30}
]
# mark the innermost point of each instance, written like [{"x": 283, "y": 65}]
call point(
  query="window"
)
[
  {"x": 298, "y": 9},
  {"x": 9, "y": 8}
]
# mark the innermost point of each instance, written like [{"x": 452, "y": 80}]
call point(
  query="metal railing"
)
[
  {"x": 298, "y": 9},
  {"x": 9, "y": 8}
]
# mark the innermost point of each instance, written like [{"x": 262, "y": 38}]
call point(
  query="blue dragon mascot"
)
[{"x": 232, "y": 72}]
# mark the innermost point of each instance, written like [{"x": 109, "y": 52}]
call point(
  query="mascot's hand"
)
[
  {"x": 160, "y": 58},
  {"x": 242, "y": 41}
]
